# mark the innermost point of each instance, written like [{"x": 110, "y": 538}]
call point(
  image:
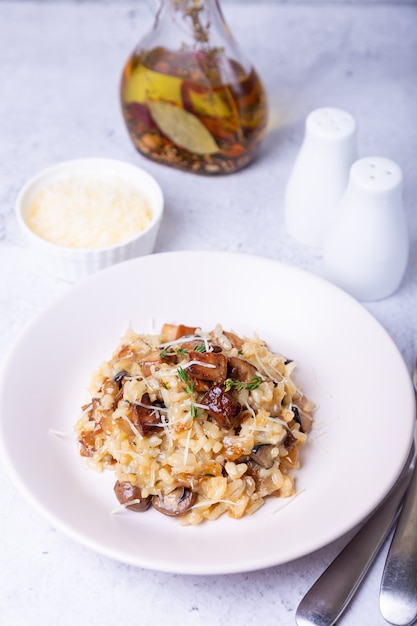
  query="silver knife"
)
[
  {"x": 398, "y": 595},
  {"x": 327, "y": 599}
]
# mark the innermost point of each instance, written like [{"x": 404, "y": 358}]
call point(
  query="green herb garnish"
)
[
  {"x": 183, "y": 376},
  {"x": 200, "y": 348},
  {"x": 254, "y": 383},
  {"x": 166, "y": 352},
  {"x": 230, "y": 383},
  {"x": 195, "y": 413}
]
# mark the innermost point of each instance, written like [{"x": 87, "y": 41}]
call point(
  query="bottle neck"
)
[{"x": 199, "y": 20}]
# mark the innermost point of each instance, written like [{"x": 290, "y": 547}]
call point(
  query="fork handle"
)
[
  {"x": 331, "y": 593},
  {"x": 398, "y": 596}
]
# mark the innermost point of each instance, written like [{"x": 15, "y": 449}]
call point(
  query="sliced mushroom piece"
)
[
  {"x": 87, "y": 442},
  {"x": 264, "y": 455},
  {"x": 241, "y": 370},
  {"x": 191, "y": 345},
  {"x": 88, "y": 439},
  {"x": 154, "y": 359},
  {"x": 119, "y": 376},
  {"x": 176, "y": 502},
  {"x": 201, "y": 385},
  {"x": 292, "y": 460},
  {"x": 117, "y": 398},
  {"x": 221, "y": 407},
  {"x": 303, "y": 418},
  {"x": 289, "y": 441},
  {"x": 126, "y": 492},
  {"x": 147, "y": 419},
  {"x": 172, "y": 332},
  {"x": 236, "y": 341},
  {"x": 109, "y": 387},
  {"x": 211, "y": 366},
  {"x": 92, "y": 408},
  {"x": 124, "y": 352}
]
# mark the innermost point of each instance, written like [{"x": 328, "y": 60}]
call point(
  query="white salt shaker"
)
[
  {"x": 320, "y": 174},
  {"x": 366, "y": 252}
]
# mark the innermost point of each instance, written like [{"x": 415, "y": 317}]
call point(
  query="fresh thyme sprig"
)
[
  {"x": 166, "y": 352},
  {"x": 195, "y": 413},
  {"x": 230, "y": 383},
  {"x": 189, "y": 388},
  {"x": 254, "y": 383},
  {"x": 170, "y": 351},
  {"x": 183, "y": 376}
]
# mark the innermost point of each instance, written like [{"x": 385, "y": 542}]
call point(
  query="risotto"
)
[{"x": 195, "y": 424}]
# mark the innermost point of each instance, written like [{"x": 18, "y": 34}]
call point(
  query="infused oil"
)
[{"x": 198, "y": 107}]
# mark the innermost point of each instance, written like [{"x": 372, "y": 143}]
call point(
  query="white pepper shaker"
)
[
  {"x": 366, "y": 252},
  {"x": 320, "y": 174}
]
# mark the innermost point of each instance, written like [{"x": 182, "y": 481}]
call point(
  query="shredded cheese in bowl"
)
[
  {"x": 93, "y": 212},
  {"x": 195, "y": 424}
]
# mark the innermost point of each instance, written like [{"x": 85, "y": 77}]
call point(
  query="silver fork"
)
[
  {"x": 330, "y": 595},
  {"x": 398, "y": 595}
]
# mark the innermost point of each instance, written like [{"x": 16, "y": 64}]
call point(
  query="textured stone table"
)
[{"x": 60, "y": 64}]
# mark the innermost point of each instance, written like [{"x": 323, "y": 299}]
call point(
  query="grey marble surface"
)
[{"x": 60, "y": 64}]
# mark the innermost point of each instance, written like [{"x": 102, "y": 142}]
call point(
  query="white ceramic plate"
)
[{"x": 347, "y": 364}]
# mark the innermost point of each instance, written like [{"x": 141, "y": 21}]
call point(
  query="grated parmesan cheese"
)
[{"x": 86, "y": 213}]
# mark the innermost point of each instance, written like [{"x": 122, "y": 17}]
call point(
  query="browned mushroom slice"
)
[
  {"x": 264, "y": 455},
  {"x": 156, "y": 358},
  {"x": 289, "y": 441},
  {"x": 117, "y": 398},
  {"x": 236, "y": 341},
  {"x": 221, "y": 407},
  {"x": 124, "y": 351},
  {"x": 303, "y": 418},
  {"x": 200, "y": 345},
  {"x": 172, "y": 332},
  {"x": 192, "y": 344},
  {"x": 87, "y": 441},
  {"x": 210, "y": 366},
  {"x": 201, "y": 386},
  {"x": 127, "y": 493},
  {"x": 241, "y": 370},
  {"x": 119, "y": 376},
  {"x": 146, "y": 418},
  {"x": 176, "y": 502},
  {"x": 92, "y": 408},
  {"x": 292, "y": 460}
]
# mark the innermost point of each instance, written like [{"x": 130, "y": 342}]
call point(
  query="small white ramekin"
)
[{"x": 73, "y": 264}]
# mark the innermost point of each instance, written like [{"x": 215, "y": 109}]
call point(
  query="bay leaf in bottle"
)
[{"x": 183, "y": 128}]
